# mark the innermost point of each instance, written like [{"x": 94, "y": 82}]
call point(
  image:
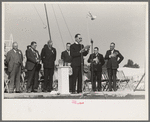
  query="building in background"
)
[{"x": 8, "y": 44}]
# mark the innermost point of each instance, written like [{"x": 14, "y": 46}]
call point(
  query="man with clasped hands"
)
[
  {"x": 32, "y": 65},
  {"x": 97, "y": 61},
  {"x": 112, "y": 56}
]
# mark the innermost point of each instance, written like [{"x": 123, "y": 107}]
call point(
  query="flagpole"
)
[
  {"x": 47, "y": 22},
  {"x": 92, "y": 64},
  {"x": 88, "y": 30},
  {"x": 82, "y": 69},
  {"x": 92, "y": 18}
]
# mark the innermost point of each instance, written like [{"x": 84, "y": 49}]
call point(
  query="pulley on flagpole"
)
[{"x": 91, "y": 16}]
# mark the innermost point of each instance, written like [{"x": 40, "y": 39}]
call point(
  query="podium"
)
[{"x": 63, "y": 79}]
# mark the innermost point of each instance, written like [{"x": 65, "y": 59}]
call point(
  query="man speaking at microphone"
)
[{"x": 77, "y": 54}]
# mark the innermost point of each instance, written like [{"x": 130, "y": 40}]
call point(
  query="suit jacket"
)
[
  {"x": 113, "y": 62},
  {"x": 31, "y": 59},
  {"x": 97, "y": 67},
  {"x": 76, "y": 55},
  {"x": 48, "y": 56},
  {"x": 66, "y": 57},
  {"x": 11, "y": 60}
]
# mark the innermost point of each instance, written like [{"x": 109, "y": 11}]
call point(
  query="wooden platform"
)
[{"x": 85, "y": 95}]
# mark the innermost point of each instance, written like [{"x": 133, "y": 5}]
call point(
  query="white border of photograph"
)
[{"x": 64, "y": 109}]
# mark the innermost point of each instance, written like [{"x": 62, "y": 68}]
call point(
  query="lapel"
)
[
  {"x": 32, "y": 53},
  {"x": 98, "y": 55},
  {"x": 19, "y": 54},
  {"x": 114, "y": 51},
  {"x": 95, "y": 55},
  {"x": 13, "y": 53},
  {"x": 37, "y": 53},
  {"x": 67, "y": 53},
  {"x": 110, "y": 52},
  {"x": 51, "y": 50}
]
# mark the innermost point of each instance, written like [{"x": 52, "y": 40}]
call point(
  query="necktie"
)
[
  {"x": 68, "y": 52},
  {"x": 37, "y": 56}
]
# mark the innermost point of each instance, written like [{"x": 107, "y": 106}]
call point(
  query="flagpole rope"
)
[
  {"x": 65, "y": 22},
  {"x": 38, "y": 15},
  {"x": 58, "y": 27}
]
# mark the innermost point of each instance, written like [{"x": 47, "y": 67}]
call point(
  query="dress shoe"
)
[
  {"x": 99, "y": 89},
  {"x": 35, "y": 90},
  {"x": 44, "y": 90},
  {"x": 79, "y": 92},
  {"x": 28, "y": 91},
  {"x": 11, "y": 92},
  {"x": 48, "y": 90},
  {"x": 73, "y": 93},
  {"x": 110, "y": 89},
  {"x": 18, "y": 92},
  {"x": 115, "y": 90}
]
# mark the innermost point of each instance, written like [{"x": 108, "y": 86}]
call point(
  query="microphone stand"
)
[
  {"x": 92, "y": 64},
  {"x": 82, "y": 68}
]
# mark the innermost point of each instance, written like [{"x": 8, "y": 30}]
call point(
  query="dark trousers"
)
[
  {"x": 70, "y": 81},
  {"x": 96, "y": 77},
  {"x": 33, "y": 76},
  {"x": 14, "y": 76},
  {"x": 112, "y": 77},
  {"x": 48, "y": 79},
  {"x": 77, "y": 75}
]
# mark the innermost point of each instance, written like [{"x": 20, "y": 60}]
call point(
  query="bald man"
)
[
  {"x": 48, "y": 56},
  {"x": 14, "y": 60}
]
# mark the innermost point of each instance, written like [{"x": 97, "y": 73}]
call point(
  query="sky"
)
[{"x": 123, "y": 24}]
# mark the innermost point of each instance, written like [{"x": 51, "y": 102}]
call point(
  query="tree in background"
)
[{"x": 131, "y": 64}]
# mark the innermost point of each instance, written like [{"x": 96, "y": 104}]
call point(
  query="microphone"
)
[{"x": 91, "y": 41}]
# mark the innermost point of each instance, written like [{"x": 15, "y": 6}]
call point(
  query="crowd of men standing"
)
[{"x": 73, "y": 55}]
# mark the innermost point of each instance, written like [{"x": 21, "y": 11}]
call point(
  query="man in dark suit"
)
[
  {"x": 112, "y": 56},
  {"x": 33, "y": 67},
  {"x": 97, "y": 61},
  {"x": 65, "y": 55},
  {"x": 14, "y": 60},
  {"x": 77, "y": 61},
  {"x": 48, "y": 56}
]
